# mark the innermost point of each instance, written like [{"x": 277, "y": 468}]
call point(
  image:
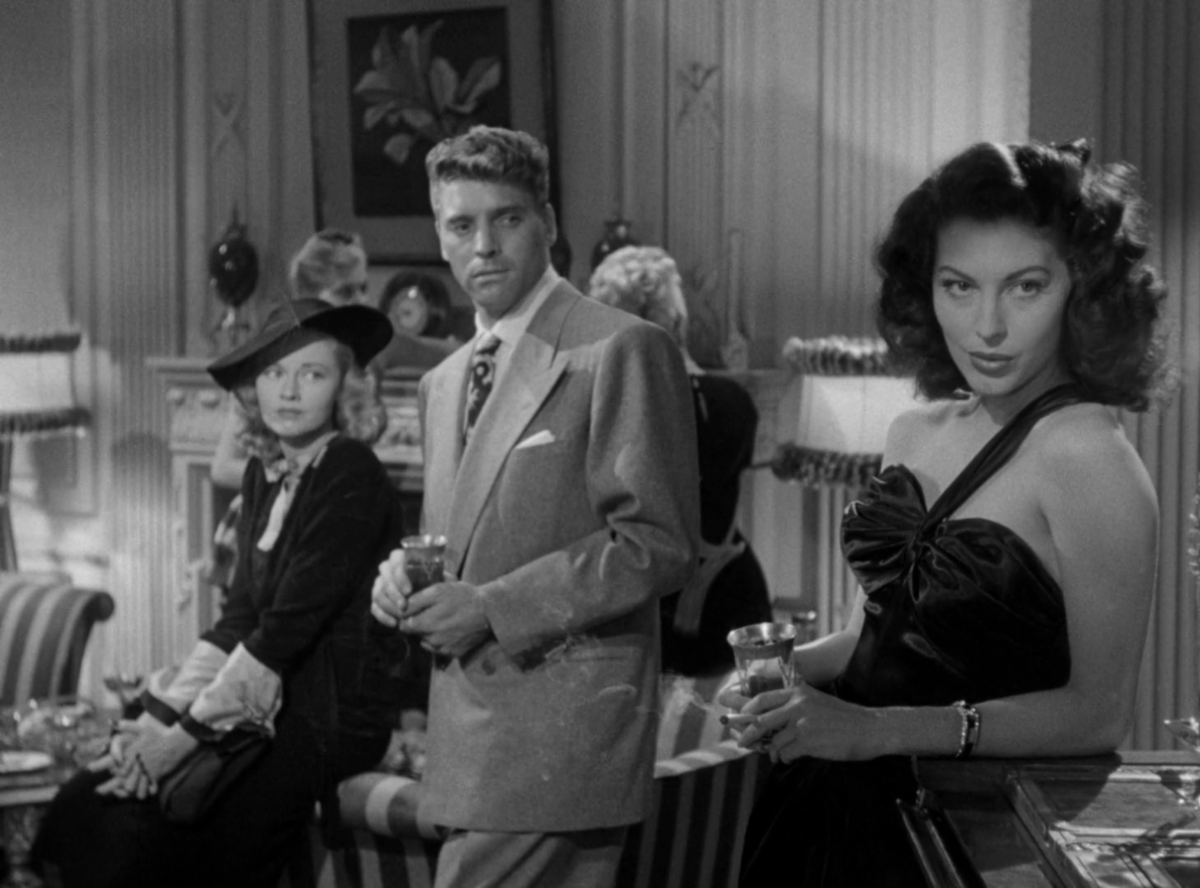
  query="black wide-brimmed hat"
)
[{"x": 295, "y": 323}]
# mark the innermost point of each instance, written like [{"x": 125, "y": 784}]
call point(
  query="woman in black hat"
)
[
  {"x": 331, "y": 266},
  {"x": 292, "y": 651}
]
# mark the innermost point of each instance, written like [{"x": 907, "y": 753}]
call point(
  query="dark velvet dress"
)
[
  {"x": 957, "y": 609},
  {"x": 726, "y": 421}
]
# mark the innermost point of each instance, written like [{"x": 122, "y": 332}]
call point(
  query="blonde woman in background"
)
[
  {"x": 332, "y": 267},
  {"x": 729, "y": 589}
]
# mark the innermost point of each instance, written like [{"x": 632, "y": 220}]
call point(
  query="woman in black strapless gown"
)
[{"x": 1006, "y": 552}]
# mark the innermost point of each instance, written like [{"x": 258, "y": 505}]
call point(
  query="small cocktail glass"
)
[
  {"x": 128, "y": 687},
  {"x": 424, "y": 559},
  {"x": 762, "y": 654}
]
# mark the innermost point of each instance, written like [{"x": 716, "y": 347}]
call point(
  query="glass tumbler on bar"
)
[
  {"x": 424, "y": 559},
  {"x": 763, "y": 656}
]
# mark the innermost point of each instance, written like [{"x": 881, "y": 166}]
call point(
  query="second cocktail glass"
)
[{"x": 762, "y": 653}]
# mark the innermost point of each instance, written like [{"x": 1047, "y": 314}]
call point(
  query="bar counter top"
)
[{"x": 1128, "y": 819}]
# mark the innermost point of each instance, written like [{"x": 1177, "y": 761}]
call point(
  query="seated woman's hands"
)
[
  {"x": 141, "y": 754},
  {"x": 802, "y": 720},
  {"x": 123, "y": 734}
]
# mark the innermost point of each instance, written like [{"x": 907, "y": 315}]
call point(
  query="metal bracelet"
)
[{"x": 969, "y": 735}]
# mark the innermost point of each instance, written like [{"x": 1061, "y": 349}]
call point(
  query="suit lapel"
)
[
  {"x": 535, "y": 367},
  {"x": 443, "y": 418}
]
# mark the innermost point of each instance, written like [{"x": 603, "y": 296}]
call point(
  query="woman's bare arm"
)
[
  {"x": 821, "y": 661},
  {"x": 1102, "y": 517}
]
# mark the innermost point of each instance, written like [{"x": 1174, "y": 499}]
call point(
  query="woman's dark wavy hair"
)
[{"x": 1112, "y": 338}]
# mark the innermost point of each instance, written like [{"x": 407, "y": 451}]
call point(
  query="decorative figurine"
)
[
  {"x": 616, "y": 235},
  {"x": 233, "y": 275}
]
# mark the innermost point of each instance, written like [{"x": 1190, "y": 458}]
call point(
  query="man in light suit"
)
[{"x": 564, "y": 479}]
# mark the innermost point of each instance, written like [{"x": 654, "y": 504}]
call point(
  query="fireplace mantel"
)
[{"x": 198, "y": 409}]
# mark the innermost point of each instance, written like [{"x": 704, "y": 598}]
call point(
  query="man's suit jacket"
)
[{"x": 574, "y": 507}]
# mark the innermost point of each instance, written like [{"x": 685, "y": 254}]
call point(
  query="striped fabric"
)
[
  {"x": 365, "y": 861},
  {"x": 692, "y": 837},
  {"x": 44, "y": 627}
]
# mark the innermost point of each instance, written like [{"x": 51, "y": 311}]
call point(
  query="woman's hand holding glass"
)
[{"x": 803, "y": 720}]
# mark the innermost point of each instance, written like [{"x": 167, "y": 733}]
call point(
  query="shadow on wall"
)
[{"x": 141, "y": 529}]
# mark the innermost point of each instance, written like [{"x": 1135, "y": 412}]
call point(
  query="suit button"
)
[{"x": 488, "y": 667}]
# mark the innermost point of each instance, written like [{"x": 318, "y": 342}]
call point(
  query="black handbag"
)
[{"x": 189, "y": 792}]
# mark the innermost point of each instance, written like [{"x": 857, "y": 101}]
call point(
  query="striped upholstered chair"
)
[
  {"x": 704, "y": 787},
  {"x": 45, "y": 623}
]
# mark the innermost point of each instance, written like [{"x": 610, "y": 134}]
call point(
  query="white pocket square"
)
[{"x": 545, "y": 436}]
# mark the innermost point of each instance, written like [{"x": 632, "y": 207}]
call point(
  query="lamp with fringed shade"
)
[
  {"x": 37, "y": 399},
  {"x": 848, "y": 396},
  {"x": 41, "y": 238}
]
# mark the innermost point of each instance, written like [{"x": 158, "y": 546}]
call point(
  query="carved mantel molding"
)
[{"x": 197, "y": 410}]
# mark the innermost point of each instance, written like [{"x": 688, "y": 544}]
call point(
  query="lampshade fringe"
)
[{"x": 59, "y": 341}]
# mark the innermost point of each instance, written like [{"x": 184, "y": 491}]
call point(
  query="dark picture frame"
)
[{"x": 374, "y": 118}]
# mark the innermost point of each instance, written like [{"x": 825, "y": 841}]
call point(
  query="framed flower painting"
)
[{"x": 392, "y": 78}]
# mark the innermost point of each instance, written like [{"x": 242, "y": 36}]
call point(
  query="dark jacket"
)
[{"x": 302, "y": 608}]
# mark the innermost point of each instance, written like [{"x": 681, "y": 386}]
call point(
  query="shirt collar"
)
[
  {"x": 293, "y": 467},
  {"x": 515, "y": 322}
]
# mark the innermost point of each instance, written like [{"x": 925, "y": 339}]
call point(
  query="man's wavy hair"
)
[
  {"x": 358, "y": 412},
  {"x": 491, "y": 154},
  {"x": 1112, "y": 339}
]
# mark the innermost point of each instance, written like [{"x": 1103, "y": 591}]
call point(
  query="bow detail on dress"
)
[
  {"x": 288, "y": 471},
  {"x": 881, "y": 531},
  {"x": 282, "y": 466}
]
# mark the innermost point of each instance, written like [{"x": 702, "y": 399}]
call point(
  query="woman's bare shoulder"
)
[
  {"x": 1082, "y": 452},
  {"x": 1081, "y": 431}
]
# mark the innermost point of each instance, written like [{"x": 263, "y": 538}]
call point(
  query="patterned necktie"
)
[{"x": 480, "y": 380}]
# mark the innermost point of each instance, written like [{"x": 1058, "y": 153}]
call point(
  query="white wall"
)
[{"x": 35, "y": 171}]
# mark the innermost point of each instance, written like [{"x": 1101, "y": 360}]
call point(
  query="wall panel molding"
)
[
  {"x": 825, "y": 112},
  {"x": 169, "y": 130},
  {"x": 1151, "y": 118}
]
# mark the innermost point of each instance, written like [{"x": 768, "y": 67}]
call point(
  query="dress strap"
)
[{"x": 999, "y": 450}]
